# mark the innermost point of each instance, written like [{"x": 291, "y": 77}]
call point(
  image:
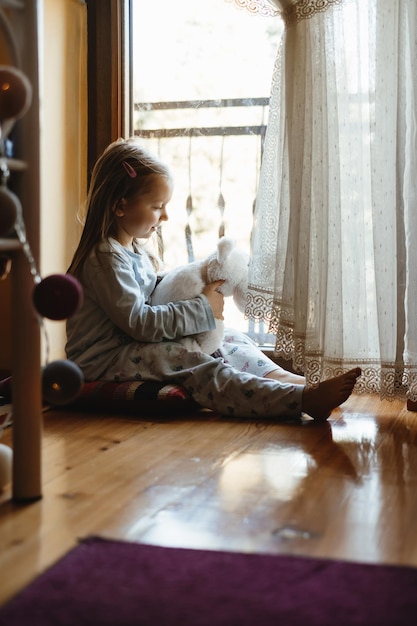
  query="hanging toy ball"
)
[
  {"x": 58, "y": 296},
  {"x": 6, "y": 456},
  {"x": 15, "y": 93},
  {"x": 10, "y": 210},
  {"x": 61, "y": 382}
]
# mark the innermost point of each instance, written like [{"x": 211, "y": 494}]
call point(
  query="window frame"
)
[{"x": 108, "y": 74}]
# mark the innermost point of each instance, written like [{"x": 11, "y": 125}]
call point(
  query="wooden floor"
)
[{"x": 344, "y": 489}]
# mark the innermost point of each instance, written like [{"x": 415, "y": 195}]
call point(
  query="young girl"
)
[{"x": 117, "y": 335}]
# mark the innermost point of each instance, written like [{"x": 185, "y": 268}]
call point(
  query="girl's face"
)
[{"x": 139, "y": 216}]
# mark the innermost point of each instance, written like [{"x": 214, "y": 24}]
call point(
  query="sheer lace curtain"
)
[{"x": 334, "y": 251}]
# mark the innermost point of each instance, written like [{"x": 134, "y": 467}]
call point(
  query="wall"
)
[
  {"x": 63, "y": 142},
  {"x": 63, "y": 103}
]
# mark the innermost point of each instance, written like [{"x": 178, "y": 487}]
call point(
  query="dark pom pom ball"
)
[
  {"x": 58, "y": 296},
  {"x": 10, "y": 210},
  {"x": 15, "y": 93},
  {"x": 61, "y": 382}
]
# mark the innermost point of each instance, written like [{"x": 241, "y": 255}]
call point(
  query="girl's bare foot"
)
[{"x": 319, "y": 402}]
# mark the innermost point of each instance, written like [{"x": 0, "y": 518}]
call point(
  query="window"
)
[{"x": 201, "y": 74}]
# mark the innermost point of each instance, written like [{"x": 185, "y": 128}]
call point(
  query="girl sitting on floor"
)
[{"x": 118, "y": 336}]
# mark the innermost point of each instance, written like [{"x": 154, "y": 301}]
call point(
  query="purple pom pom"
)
[{"x": 58, "y": 296}]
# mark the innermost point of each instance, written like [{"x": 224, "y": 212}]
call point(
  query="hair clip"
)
[{"x": 129, "y": 169}]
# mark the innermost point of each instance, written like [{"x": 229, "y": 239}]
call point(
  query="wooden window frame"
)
[{"x": 108, "y": 74}]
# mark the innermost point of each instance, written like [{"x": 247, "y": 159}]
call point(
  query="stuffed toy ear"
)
[{"x": 224, "y": 247}]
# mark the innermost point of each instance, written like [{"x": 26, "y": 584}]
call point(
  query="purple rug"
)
[{"x": 103, "y": 582}]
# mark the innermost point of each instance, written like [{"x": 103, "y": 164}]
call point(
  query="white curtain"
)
[{"x": 334, "y": 247}]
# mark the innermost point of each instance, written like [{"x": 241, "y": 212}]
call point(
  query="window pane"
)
[
  {"x": 208, "y": 49},
  {"x": 199, "y": 51}
]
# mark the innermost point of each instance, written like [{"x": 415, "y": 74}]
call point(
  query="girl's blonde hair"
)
[{"x": 125, "y": 169}]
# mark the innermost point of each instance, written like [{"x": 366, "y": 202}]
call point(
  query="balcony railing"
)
[
  {"x": 202, "y": 131},
  {"x": 215, "y": 147}
]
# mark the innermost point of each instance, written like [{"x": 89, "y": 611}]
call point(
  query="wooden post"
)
[{"x": 26, "y": 360}]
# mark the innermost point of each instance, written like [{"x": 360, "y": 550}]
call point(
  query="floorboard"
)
[{"x": 345, "y": 489}]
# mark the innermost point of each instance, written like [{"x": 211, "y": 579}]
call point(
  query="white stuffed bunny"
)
[{"x": 227, "y": 263}]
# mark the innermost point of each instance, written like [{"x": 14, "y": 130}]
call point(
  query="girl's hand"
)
[{"x": 215, "y": 298}]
